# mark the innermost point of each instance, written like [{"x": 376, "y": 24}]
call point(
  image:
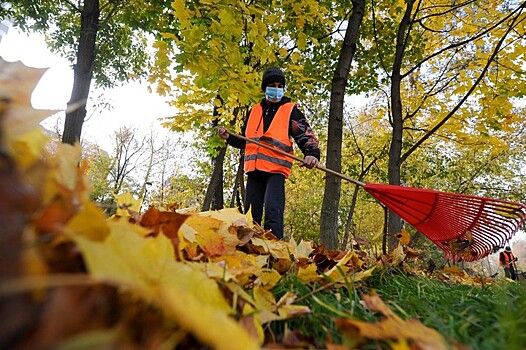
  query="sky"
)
[{"x": 132, "y": 104}]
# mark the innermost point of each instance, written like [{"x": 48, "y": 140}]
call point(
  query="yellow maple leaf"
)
[
  {"x": 300, "y": 250},
  {"x": 265, "y": 304},
  {"x": 455, "y": 270},
  {"x": 207, "y": 235},
  {"x": 278, "y": 249},
  {"x": 67, "y": 169},
  {"x": 125, "y": 202},
  {"x": 289, "y": 311},
  {"x": 269, "y": 279},
  {"x": 28, "y": 147},
  {"x": 338, "y": 272},
  {"x": 229, "y": 215},
  {"x": 309, "y": 273},
  {"x": 268, "y": 309},
  {"x": 252, "y": 323},
  {"x": 211, "y": 230},
  {"x": 17, "y": 82},
  {"x": 239, "y": 292},
  {"x": 214, "y": 328},
  {"x": 89, "y": 222},
  {"x": 358, "y": 276},
  {"x": 147, "y": 266},
  {"x": 240, "y": 265}
]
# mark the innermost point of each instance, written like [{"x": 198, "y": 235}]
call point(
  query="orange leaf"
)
[
  {"x": 403, "y": 237},
  {"x": 56, "y": 214},
  {"x": 169, "y": 222}
]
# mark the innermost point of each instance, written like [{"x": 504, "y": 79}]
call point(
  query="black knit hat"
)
[{"x": 272, "y": 75}]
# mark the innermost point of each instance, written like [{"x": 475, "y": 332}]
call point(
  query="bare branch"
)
[{"x": 73, "y": 5}]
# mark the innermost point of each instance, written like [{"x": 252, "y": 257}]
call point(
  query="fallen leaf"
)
[
  {"x": 269, "y": 310},
  {"x": 241, "y": 266},
  {"x": 147, "y": 266},
  {"x": 17, "y": 83},
  {"x": 302, "y": 249},
  {"x": 308, "y": 273},
  {"x": 168, "y": 222},
  {"x": 126, "y": 203},
  {"x": 398, "y": 255},
  {"x": 403, "y": 237},
  {"x": 268, "y": 279},
  {"x": 89, "y": 222},
  {"x": 392, "y": 328}
]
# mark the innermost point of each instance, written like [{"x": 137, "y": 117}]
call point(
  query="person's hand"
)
[
  {"x": 223, "y": 133},
  {"x": 310, "y": 162}
]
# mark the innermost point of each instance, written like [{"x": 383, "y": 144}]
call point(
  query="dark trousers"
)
[
  {"x": 266, "y": 191},
  {"x": 510, "y": 272}
]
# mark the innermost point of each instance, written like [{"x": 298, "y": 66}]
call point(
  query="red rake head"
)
[{"x": 465, "y": 227}]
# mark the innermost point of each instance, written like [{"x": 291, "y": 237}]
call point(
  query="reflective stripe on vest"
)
[{"x": 277, "y": 135}]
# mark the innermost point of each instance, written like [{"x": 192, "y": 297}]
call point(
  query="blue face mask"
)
[{"x": 274, "y": 94}]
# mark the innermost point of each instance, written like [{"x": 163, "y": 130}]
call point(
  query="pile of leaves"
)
[{"x": 72, "y": 277}]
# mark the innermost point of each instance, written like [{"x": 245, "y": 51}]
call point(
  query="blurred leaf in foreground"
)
[
  {"x": 147, "y": 266},
  {"x": 401, "y": 334}
]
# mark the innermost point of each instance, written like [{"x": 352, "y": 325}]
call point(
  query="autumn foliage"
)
[{"x": 160, "y": 279}]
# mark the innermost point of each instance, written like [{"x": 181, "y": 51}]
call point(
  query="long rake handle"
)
[{"x": 319, "y": 166}]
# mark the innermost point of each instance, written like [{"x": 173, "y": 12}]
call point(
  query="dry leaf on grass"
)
[{"x": 391, "y": 329}]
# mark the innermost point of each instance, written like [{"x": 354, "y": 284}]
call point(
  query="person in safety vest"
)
[
  {"x": 274, "y": 121},
  {"x": 507, "y": 261}
]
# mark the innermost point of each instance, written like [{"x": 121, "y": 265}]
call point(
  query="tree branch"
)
[{"x": 461, "y": 102}]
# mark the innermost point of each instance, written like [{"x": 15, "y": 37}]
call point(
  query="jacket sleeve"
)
[
  {"x": 236, "y": 142},
  {"x": 302, "y": 134}
]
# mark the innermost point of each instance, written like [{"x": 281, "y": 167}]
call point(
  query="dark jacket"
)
[{"x": 299, "y": 128}]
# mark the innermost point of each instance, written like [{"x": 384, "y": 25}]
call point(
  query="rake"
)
[{"x": 465, "y": 227}]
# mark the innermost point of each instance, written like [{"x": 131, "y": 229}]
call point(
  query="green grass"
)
[{"x": 481, "y": 317}]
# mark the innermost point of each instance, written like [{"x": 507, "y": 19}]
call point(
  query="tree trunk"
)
[
  {"x": 331, "y": 198},
  {"x": 82, "y": 72},
  {"x": 216, "y": 183},
  {"x": 144, "y": 187},
  {"x": 214, "y": 193},
  {"x": 348, "y": 224},
  {"x": 238, "y": 192},
  {"x": 217, "y": 198},
  {"x": 395, "y": 150}
]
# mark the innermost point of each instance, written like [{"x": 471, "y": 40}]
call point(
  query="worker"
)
[
  {"x": 274, "y": 121},
  {"x": 507, "y": 261}
]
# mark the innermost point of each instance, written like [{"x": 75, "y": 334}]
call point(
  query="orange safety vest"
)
[
  {"x": 277, "y": 135},
  {"x": 509, "y": 259}
]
